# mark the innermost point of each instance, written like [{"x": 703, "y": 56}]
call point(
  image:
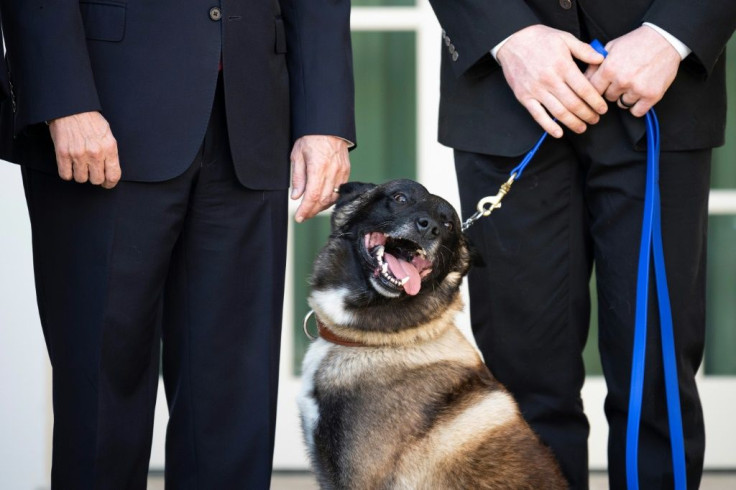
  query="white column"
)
[{"x": 25, "y": 385}]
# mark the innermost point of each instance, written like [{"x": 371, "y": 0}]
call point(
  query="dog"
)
[{"x": 393, "y": 395}]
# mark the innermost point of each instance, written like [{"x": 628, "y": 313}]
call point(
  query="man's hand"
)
[
  {"x": 86, "y": 149},
  {"x": 320, "y": 165},
  {"x": 639, "y": 68},
  {"x": 539, "y": 67}
]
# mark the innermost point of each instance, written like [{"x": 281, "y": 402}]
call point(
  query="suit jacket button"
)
[
  {"x": 215, "y": 13},
  {"x": 447, "y": 41},
  {"x": 451, "y": 48},
  {"x": 566, "y": 4},
  {"x": 455, "y": 56}
]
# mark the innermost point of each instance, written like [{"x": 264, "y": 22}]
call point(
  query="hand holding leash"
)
[
  {"x": 651, "y": 250},
  {"x": 490, "y": 203}
]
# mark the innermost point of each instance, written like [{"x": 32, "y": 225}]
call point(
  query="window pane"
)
[
  {"x": 723, "y": 174},
  {"x": 385, "y": 107},
  {"x": 308, "y": 240},
  {"x": 720, "y": 343}
]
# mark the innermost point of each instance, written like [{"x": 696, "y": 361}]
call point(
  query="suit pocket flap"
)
[
  {"x": 104, "y": 21},
  {"x": 280, "y": 36}
]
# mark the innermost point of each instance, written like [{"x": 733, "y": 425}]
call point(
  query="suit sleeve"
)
[
  {"x": 704, "y": 27},
  {"x": 476, "y": 26},
  {"x": 48, "y": 60},
  {"x": 320, "y": 63}
]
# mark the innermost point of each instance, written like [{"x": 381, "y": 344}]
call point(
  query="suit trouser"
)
[
  {"x": 579, "y": 203},
  {"x": 196, "y": 264}
]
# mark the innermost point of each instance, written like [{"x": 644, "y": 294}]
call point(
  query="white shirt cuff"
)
[
  {"x": 676, "y": 43},
  {"x": 497, "y": 47},
  {"x": 350, "y": 143}
]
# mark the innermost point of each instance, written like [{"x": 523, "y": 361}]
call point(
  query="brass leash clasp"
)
[{"x": 489, "y": 203}]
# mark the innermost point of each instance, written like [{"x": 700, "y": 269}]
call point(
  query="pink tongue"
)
[{"x": 401, "y": 269}]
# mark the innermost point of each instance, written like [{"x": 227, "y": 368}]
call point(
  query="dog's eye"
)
[
  {"x": 400, "y": 197},
  {"x": 449, "y": 225}
]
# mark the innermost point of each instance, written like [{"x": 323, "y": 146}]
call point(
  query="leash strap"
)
[
  {"x": 489, "y": 204},
  {"x": 651, "y": 245}
]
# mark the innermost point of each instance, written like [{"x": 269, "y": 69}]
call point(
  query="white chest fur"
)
[{"x": 308, "y": 407}]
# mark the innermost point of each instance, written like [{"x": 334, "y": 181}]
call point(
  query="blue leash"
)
[{"x": 651, "y": 244}]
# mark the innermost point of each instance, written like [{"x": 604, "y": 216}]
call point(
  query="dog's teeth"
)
[
  {"x": 389, "y": 278},
  {"x": 404, "y": 281},
  {"x": 381, "y": 250},
  {"x": 384, "y": 268}
]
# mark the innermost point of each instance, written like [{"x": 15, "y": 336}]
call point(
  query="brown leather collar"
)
[{"x": 331, "y": 336}]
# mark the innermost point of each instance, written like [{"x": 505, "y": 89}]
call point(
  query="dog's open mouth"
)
[{"x": 400, "y": 263}]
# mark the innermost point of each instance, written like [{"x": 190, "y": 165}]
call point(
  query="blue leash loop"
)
[{"x": 651, "y": 246}]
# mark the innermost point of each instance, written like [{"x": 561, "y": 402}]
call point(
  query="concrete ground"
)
[{"x": 598, "y": 481}]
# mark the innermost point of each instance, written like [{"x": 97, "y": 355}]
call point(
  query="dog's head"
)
[{"x": 395, "y": 258}]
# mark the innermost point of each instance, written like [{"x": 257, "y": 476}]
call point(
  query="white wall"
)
[{"x": 25, "y": 419}]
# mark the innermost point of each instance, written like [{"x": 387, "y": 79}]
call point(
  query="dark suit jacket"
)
[
  {"x": 151, "y": 68},
  {"x": 478, "y": 110}
]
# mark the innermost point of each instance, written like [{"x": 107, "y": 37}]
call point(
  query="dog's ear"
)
[
  {"x": 352, "y": 195},
  {"x": 351, "y": 190}
]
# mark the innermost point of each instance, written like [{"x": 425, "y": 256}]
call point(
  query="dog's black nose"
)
[{"x": 427, "y": 225}]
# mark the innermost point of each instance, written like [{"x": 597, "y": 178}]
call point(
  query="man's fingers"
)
[
  {"x": 319, "y": 193},
  {"x": 298, "y": 174},
  {"x": 95, "y": 163},
  {"x": 328, "y": 195},
  {"x": 64, "y": 166},
  {"x": 303, "y": 186},
  {"x": 320, "y": 163},
  {"x": 86, "y": 149},
  {"x": 310, "y": 202},
  {"x": 112, "y": 171},
  {"x": 600, "y": 83},
  {"x": 539, "y": 64},
  {"x": 586, "y": 91},
  {"x": 80, "y": 169},
  {"x": 613, "y": 92},
  {"x": 543, "y": 119},
  {"x": 343, "y": 174},
  {"x": 577, "y": 106},
  {"x": 590, "y": 71},
  {"x": 583, "y": 51},
  {"x": 641, "y": 107},
  {"x": 97, "y": 173},
  {"x": 556, "y": 108},
  {"x": 640, "y": 66}
]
